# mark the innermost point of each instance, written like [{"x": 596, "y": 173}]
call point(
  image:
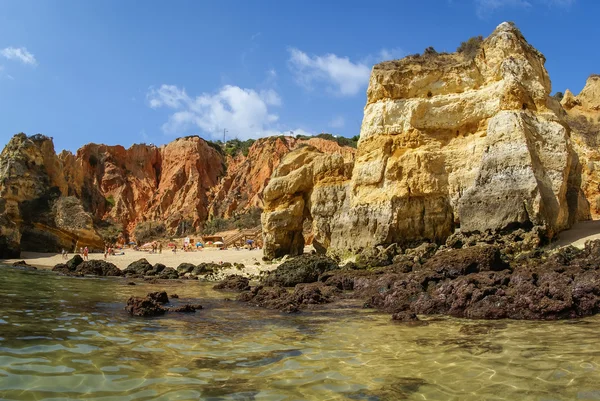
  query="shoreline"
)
[{"x": 251, "y": 259}]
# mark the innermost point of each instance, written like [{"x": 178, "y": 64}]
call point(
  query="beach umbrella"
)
[
  {"x": 132, "y": 243},
  {"x": 249, "y": 242},
  {"x": 198, "y": 243},
  {"x": 218, "y": 243}
]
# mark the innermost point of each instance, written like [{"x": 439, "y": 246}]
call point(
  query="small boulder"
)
[
  {"x": 301, "y": 269},
  {"x": 138, "y": 268},
  {"x": 184, "y": 268},
  {"x": 159, "y": 297},
  {"x": 98, "y": 268},
  {"x": 234, "y": 282},
  {"x": 138, "y": 306}
]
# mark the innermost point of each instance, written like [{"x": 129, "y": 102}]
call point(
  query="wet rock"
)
[
  {"x": 138, "y": 268},
  {"x": 187, "y": 308},
  {"x": 206, "y": 268},
  {"x": 159, "y": 297},
  {"x": 301, "y": 269},
  {"x": 168, "y": 273},
  {"x": 312, "y": 294},
  {"x": 61, "y": 268},
  {"x": 405, "y": 316},
  {"x": 98, "y": 268},
  {"x": 459, "y": 262},
  {"x": 156, "y": 269},
  {"x": 184, "y": 268},
  {"x": 74, "y": 262},
  {"x": 138, "y": 306},
  {"x": 234, "y": 282},
  {"x": 130, "y": 283},
  {"x": 174, "y": 296},
  {"x": 24, "y": 265}
]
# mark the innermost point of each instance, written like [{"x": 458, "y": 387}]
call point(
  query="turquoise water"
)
[{"x": 67, "y": 338}]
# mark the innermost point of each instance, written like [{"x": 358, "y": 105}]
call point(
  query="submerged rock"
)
[
  {"x": 98, "y": 268},
  {"x": 159, "y": 297},
  {"x": 301, "y": 269},
  {"x": 234, "y": 282},
  {"x": 187, "y": 308},
  {"x": 138, "y": 306}
]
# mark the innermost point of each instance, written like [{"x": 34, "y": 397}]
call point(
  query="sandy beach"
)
[{"x": 252, "y": 259}]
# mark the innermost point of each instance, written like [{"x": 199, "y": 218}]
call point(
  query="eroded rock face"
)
[
  {"x": 55, "y": 202},
  {"x": 248, "y": 175},
  {"x": 35, "y": 210},
  {"x": 583, "y": 116},
  {"x": 307, "y": 185},
  {"x": 446, "y": 140}
]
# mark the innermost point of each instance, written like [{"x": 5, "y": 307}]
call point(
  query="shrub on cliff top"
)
[{"x": 470, "y": 47}]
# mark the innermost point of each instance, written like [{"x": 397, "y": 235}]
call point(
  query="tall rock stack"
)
[
  {"x": 583, "y": 116},
  {"x": 470, "y": 139}
]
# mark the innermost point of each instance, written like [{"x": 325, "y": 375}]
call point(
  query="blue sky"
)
[{"x": 123, "y": 72}]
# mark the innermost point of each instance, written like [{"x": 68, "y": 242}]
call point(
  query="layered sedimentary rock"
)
[
  {"x": 49, "y": 202},
  {"x": 447, "y": 140},
  {"x": 34, "y": 210},
  {"x": 307, "y": 185},
  {"x": 583, "y": 116},
  {"x": 248, "y": 175}
]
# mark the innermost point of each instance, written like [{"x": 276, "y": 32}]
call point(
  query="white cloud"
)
[
  {"x": 337, "y": 122},
  {"x": 343, "y": 76},
  {"x": 486, "y": 7},
  {"x": 245, "y": 113},
  {"x": 390, "y": 54},
  {"x": 21, "y": 54}
]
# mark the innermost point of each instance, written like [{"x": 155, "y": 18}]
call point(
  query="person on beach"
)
[
  {"x": 64, "y": 254},
  {"x": 105, "y": 252},
  {"x": 160, "y": 247},
  {"x": 85, "y": 253}
]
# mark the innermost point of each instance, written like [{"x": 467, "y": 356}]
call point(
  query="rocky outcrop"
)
[
  {"x": 35, "y": 210},
  {"x": 49, "y": 202},
  {"x": 447, "y": 141},
  {"x": 583, "y": 116},
  {"x": 248, "y": 175},
  {"x": 309, "y": 186}
]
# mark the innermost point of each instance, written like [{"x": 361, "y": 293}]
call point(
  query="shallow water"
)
[{"x": 69, "y": 338}]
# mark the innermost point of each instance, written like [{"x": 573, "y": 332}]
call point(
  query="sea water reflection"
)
[{"x": 69, "y": 338}]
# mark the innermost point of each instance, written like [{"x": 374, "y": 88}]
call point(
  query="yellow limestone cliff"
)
[
  {"x": 583, "y": 115},
  {"x": 447, "y": 140}
]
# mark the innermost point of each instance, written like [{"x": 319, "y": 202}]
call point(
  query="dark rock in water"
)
[
  {"x": 24, "y": 265},
  {"x": 151, "y": 280},
  {"x": 130, "y": 283},
  {"x": 159, "y": 296},
  {"x": 312, "y": 294},
  {"x": 405, "y": 316},
  {"x": 174, "y": 296},
  {"x": 234, "y": 282},
  {"x": 156, "y": 269},
  {"x": 459, "y": 262},
  {"x": 187, "y": 308},
  {"x": 145, "y": 307},
  {"x": 98, "y": 268},
  {"x": 184, "y": 268},
  {"x": 304, "y": 295},
  {"x": 168, "y": 273},
  {"x": 61, "y": 268},
  {"x": 74, "y": 262},
  {"x": 475, "y": 282},
  {"x": 139, "y": 268},
  {"x": 205, "y": 268},
  {"x": 301, "y": 269}
]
